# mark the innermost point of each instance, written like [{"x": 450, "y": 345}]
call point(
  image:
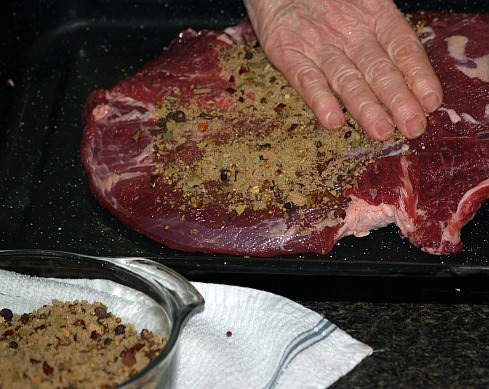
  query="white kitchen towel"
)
[
  {"x": 251, "y": 339},
  {"x": 244, "y": 338}
]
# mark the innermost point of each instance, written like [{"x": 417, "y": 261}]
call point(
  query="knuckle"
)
[
  {"x": 403, "y": 48},
  {"x": 314, "y": 88},
  {"x": 347, "y": 80},
  {"x": 414, "y": 75},
  {"x": 397, "y": 100},
  {"x": 392, "y": 91},
  {"x": 307, "y": 77},
  {"x": 379, "y": 72}
]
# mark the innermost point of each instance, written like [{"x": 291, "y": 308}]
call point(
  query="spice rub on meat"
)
[
  {"x": 257, "y": 146},
  {"x": 208, "y": 149}
]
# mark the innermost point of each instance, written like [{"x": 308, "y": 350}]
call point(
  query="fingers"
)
[
  {"x": 350, "y": 85},
  {"x": 406, "y": 51},
  {"x": 368, "y": 83},
  {"x": 362, "y": 52},
  {"x": 388, "y": 84},
  {"x": 413, "y": 62},
  {"x": 399, "y": 75},
  {"x": 310, "y": 82}
]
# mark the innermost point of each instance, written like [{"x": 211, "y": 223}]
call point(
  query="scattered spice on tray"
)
[{"x": 71, "y": 345}]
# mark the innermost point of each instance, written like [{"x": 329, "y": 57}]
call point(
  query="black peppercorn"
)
[
  {"x": 224, "y": 174},
  {"x": 6, "y": 314},
  {"x": 24, "y": 318},
  {"x": 292, "y": 127},
  {"x": 264, "y": 146},
  {"x": 120, "y": 329},
  {"x": 177, "y": 116},
  {"x": 100, "y": 312}
]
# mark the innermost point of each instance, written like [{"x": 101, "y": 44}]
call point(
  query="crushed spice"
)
[
  {"x": 71, "y": 345},
  {"x": 281, "y": 159}
]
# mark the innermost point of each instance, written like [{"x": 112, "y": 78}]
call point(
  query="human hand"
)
[{"x": 362, "y": 51}]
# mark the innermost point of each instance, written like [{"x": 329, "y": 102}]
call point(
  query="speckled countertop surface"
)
[
  {"x": 415, "y": 344},
  {"x": 426, "y": 333}
]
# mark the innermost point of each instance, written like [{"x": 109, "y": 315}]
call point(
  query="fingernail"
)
[
  {"x": 430, "y": 101},
  {"x": 414, "y": 126},
  {"x": 384, "y": 129},
  {"x": 334, "y": 121}
]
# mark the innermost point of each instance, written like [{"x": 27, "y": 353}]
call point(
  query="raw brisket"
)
[{"x": 430, "y": 192}]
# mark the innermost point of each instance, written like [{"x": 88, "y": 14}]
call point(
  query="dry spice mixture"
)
[
  {"x": 281, "y": 158},
  {"x": 71, "y": 345}
]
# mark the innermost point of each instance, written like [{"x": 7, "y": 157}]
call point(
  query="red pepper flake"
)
[
  {"x": 136, "y": 347},
  {"x": 129, "y": 359},
  {"x": 279, "y": 108},
  {"x": 94, "y": 335},
  {"x": 203, "y": 126},
  {"x": 47, "y": 369},
  {"x": 243, "y": 69}
]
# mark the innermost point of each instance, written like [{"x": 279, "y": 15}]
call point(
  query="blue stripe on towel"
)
[{"x": 301, "y": 342}]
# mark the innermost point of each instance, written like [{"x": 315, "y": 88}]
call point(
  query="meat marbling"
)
[{"x": 430, "y": 193}]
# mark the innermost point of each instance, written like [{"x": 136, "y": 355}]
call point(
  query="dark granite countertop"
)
[
  {"x": 427, "y": 333},
  {"x": 415, "y": 344}
]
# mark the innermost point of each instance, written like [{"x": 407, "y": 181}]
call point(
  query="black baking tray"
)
[{"x": 54, "y": 53}]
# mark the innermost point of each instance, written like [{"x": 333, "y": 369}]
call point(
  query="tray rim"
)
[{"x": 318, "y": 266}]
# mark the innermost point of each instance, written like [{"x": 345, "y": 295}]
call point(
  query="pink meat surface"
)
[{"x": 430, "y": 193}]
